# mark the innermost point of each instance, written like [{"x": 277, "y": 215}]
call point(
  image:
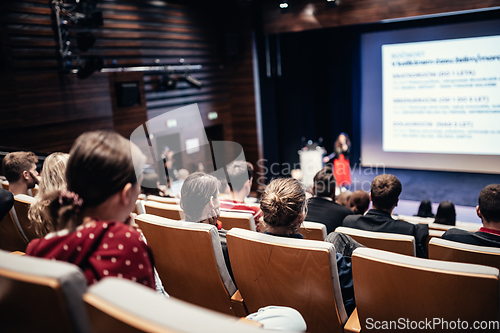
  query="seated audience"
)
[
  {"x": 20, "y": 170},
  {"x": 284, "y": 207},
  {"x": 446, "y": 213},
  {"x": 52, "y": 178},
  {"x": 91, "y": 218},
  {"x": 384, "y": 194},
  {"x": 359, "y": 202},
  {"x": 488, "y": 211},
  {"x": 176, "y": 185},
  {"x": 425, "y": 209},
  {"x": 343, "y": 198},
  {"x": 240, "y": 175},
  {"x": 200, "y": 203},
  {"x": 151, "y": 185},
  {"x": 321, "y": 208}
]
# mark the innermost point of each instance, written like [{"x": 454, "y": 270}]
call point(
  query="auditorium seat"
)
[
  {"x": 22, "y": 203},
  {"x": 171, "y": 201},
  {"x": 390, "y": 286},
  {"x": 190, "y": 263},
  {"x": 11, "y": 238},
  {"x": 403, "y": 244},
  {"x": 298, "y": 273},
  {"x": 118, "y": 305},
  {"x": 442, "y": 249},
  {"x": 168, "y": 211},
  {"x": 40, "y": 295},
  {"x": 5, "y": 185},
  {"x": 313, "y": 230},
  {"x": 234, "y": 219},
  {"x": 139, "y": 207}
]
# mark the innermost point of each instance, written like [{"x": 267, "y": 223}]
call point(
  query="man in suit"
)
[
  {"x": 488, "y": 211},
  {"x": 322, "y": 208},
  {"x": 384, "y": 194}
]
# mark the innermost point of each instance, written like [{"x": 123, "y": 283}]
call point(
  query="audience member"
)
[
  {"x": 240, "y": 175},
  {"x": 284, "y": 207},
  {"x": 151, "y": 185},
  {"x": 446, "y": 213},
  {"x": 488, "y": 211},
  {"x": 6, "y": 202},
  {"x": 52, "y": 178},
  {"x": 425, "y": 209},
  {"x": 384, "y": 194},
  {"x": 176, "y": 185},
  {"x": 91, "y": 218},
  {"x": 20, "y": 170},
  {"x": 321, "y": 208},
  {"x": 359, "y": 202},
  {"x": 343, "y": 198}
]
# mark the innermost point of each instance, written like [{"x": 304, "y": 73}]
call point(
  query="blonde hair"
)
[
  {"x": 282, "y": 202},
  {"x": 52, "y": 179}
]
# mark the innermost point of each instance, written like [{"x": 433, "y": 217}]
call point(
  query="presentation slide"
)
[
  {"x": 442, "y": 96},
  {"x": 430, "y": 97}
]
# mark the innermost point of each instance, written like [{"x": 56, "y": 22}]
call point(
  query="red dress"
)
[
  {"x": 241, "y": 206},
  {"x": 100, "y": 249}
]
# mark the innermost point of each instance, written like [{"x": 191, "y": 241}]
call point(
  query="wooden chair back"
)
[
  {"x": 22, "y": 203},
  {"x": 40, "y": 295},
  {"x": 173, "y": 212},
  {"x": 119, "y": 305},
  {"x": 390, "y": 286},
  {"x": 397, "y": 243},
  {"x": 442, "y": 249},
  {"x": 237, "y": 220},
  {"x": 5, "y": 185},
  {"x": 11, "y": 238},
  {"x": 34, "y": 190},
  {"x": 189, "y": 260},
  {"x": 313, "y": 230},
  {"x": 298, "y": 273},
  {"x": 170, "y": 201}
]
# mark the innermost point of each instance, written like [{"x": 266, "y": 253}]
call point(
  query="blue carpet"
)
[{"x": 458, "y": 187}]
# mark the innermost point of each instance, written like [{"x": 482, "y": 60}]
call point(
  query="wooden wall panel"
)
[{"x": 306, "y": 14}]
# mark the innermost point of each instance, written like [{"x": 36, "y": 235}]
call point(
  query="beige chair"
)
[
  {"x": 298, "y": 273},
  {"x": 313, "y": 230},
  {"x": 22, "y": 203},
  {"x": 390, "y": 286},
  {"x": 34, "y": 191},
  {"x": 170, "y": 201},
  {"x": 173, "y": 212},
  {"x": 190, "y": 263},
  {"x": 118, "y": 305},
  {"x": 11, "y": 237},
  {"x": 139, "y": 207},
  {"x": 40, "y": 295},
  {"x": 397, "y": 243},
  {"x": 442, "y": 249},
  {"x": 242, "y": 220},
  {"x": 5, "y": 185}
]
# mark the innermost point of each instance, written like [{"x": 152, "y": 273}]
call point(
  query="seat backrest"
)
[
  {"x": 403, "y": 244},
  {"x": 5, "y": 185},
  {"x": 139, "y": 207},
  {"x": 171, "y": 201},
  {"x": 313, "y": 230},
  {"x": 22, "y": 203},
  {"x": 11, "y": 238},
  {"x": 442, "y": 249},
  {"x": 390, "y": 286},
  {"x": 301, "y": 274},
  {"x": 237, "y": 220},
  {"x": 189, "y": 260},
  {"x": 41, "y": 295},
  {"x": 119, "y": 305},
  {"x": 173, "y": 212}
]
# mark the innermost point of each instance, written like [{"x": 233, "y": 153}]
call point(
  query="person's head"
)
[
  {"x": 446, "y": 213},
  {"x": 359, "y": 202},
  {"x": 324, "y": 183},
  {"x": 343, "y": 141},
  {"x": 283, "y": 204},
  {"x": 150, "y": 182},
  {"x": 182, "y": 174},
  {"x": 385, "y": 191},
  {"x": 200, "y": 197},
  {"x": 101, "y": 179},
  {"x": 489, "y": 204},
  {"x": 20, "y": 167},
  {"x": 240, "y": 176},
  {"x": 343, "y": 198},
  {"x": 425, "y": 209},
  {"x": 53, "y": 178}
]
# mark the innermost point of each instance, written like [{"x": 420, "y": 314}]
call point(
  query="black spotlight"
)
[
  {"x": 84, "y": 41},
  {"x": 167, "y": 82},
  {"x": 89, "y": 66}
]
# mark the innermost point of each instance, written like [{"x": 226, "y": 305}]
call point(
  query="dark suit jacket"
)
[
  {"x": 473, "y": 238},
  {"x": 381, "y": 221},
  {"x": 6, "y": 202},
  {"x": 327, "y": 212}
]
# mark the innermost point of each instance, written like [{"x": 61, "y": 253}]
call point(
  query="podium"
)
[{"x": 311, "y": 162}]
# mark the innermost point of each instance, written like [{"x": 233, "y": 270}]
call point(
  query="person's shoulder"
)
[
  {"x": 6, "y": 196},
  {"x": 352, "y": 218},
  {"x": 453, "y": 233}
]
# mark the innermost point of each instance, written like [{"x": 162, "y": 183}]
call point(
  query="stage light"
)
[
  {"x": 84, "y": 41},
  {"x": 332, "y": 3},
  {"x": 284, "y": 5},
  {"x": 167, "y": 83},
  {"x": 89, "y": 66}
]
